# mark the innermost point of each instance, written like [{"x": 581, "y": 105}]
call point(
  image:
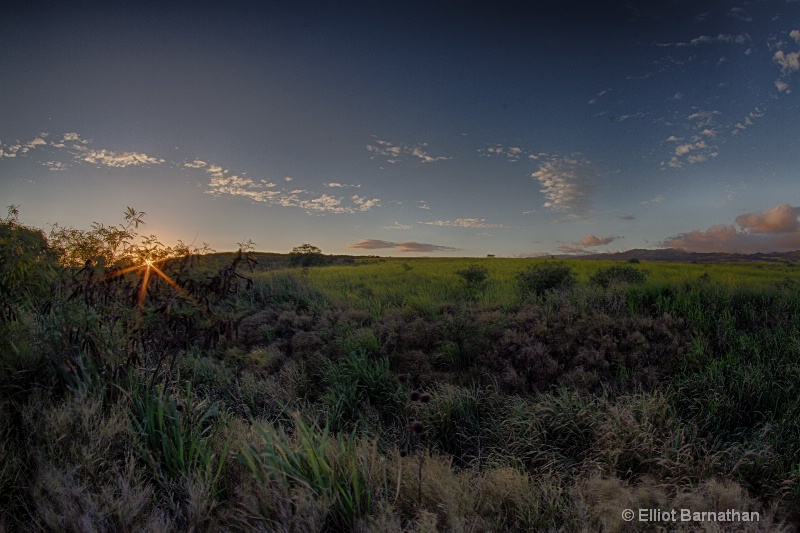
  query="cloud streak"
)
[
  {"x": 464, "y": 223},
  {"x": 393, "y": 153},
  {"x": 409, "y": 246},
  {"x": 587, "y": 241}
]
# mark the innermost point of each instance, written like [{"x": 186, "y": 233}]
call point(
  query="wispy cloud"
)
[
  {"x": 699, "y": 147},
  {"x": 657, "y": 200},
  {"x": 511, "y": 153},
  {"x": 74, "y": 147},
  {"x": 788, "y": 61},
  {"x": 223, "y": 184},
  {"x": 109, "y": 158},
  {"x": 740, "y": 13},
  {"x": 627, "y": 217},
  {"x": 410, "y": 246},
  {"x": 748, "y": 121},
  {"x": 335, "y": 185},
  {"x": 601, "y": 93},
  {"x": 365, "y": 204},
  {"x": 398, "y": 225},
  {"x": 566, "y": 184},
  {"x": 724, "y": 38},
  {"x": 587, "y": 241},
  {"x": 54, "y": 165},
  {"x": 774, "y": 229},
  {"x": 221, "y": 181},
  {"x": 464, "y": 223},
  {"x": 20, "y": 148},
  {"x": 592, "y": 240},
  {"x": 394, "y": 153}
]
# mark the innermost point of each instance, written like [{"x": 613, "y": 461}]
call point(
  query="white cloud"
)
[
  {"x": 30, "y": 145},
  {"x": 54, "y": 165},
  {"x": 197, "y": 163},
  {"x": 118, "y": 159},
  {"x": 397, "y": 153},
  {"x": 464, "y": 223},
  {"x": 222, "y": 184},
  {"x": 566, "y": 184},
  {"x": 782, "y": 86},
  {"x": 748, "y": 121},
  {"x": 9, "y": 151},
  {"x": 426, "y": 157},
  {"x": 788, "y": 62},
  {"x": 365, "y": 204},
  {"x": 511, "y": 153},
  {"x": 795, "y": 34},
  {"x": 23, "y": 148},
  {"x": 398, "y": 225},
  {"x": 335, "y": 185},
  {"x": 703, "y": 118},
  {"x": 686, "y": 148}
]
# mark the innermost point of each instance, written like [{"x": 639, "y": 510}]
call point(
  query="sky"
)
[{"x": 407, "y": 128}]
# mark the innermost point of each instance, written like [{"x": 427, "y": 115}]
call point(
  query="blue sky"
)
[{"x": 409, "y": 128}]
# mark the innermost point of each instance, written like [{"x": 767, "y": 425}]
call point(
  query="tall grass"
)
[
  {"x": 428, "y": 394},
  {"x": 336, "y": 470}
]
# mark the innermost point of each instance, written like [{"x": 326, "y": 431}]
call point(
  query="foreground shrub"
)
[{"x": 538, "y": 279}]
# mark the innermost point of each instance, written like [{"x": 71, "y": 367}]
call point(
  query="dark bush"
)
[
  {"x": 307, "y": 260},
  {"x": 544, "y": 277},
  {"x": 307, "y": 255},
  {"x": 618, "y": 274},
  {"x": 473, "y": 275}
]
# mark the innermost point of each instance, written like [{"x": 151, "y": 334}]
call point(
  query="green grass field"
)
[
  {"x": 394, "y": 394},
  {"x": 394, "y": 281}
]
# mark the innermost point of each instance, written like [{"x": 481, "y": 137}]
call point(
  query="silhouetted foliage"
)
[
  {"x": 26, "y": 263},
  {"x": 307, "y": 255}
]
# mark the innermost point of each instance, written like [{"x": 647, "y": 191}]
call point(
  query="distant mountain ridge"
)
[{"x": 680, "y": 255}]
